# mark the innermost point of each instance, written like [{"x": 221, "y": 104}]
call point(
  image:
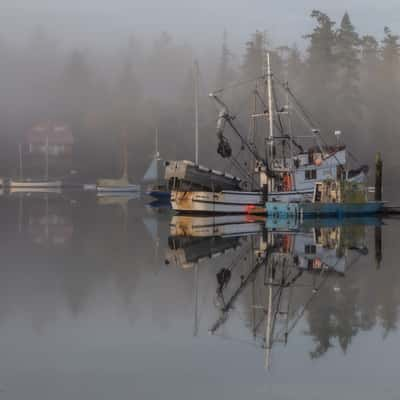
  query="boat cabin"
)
[
  {"x": 315, "y": 166},
  {"x": 338, "y": 191}
]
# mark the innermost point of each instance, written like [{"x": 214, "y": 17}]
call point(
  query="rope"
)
[{"x": 237, "y": 84}]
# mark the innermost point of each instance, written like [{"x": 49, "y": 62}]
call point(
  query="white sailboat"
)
[
  {"x": 21, "y": 184},
  {"x": 118, "y": 185},
  {"x": 158, "y": 188}
]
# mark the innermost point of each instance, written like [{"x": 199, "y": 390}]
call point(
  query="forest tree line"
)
[{"x": 347, "y": 81}]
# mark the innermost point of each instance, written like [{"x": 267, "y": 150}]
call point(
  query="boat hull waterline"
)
[
  {"x": 118, "y": 189},
  {"x": 226, "y": 202},
  {"x": 34, "y": 184}
]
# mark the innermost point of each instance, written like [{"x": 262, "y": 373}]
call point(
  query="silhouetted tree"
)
[
  {"x": 321, "y": 68},
  {"x": 255, "y": 55},
  {"x": 225, "y": 72},
  {"x": 347, "y": 44}
]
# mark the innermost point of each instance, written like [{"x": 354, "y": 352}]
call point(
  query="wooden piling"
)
[
  {"x": 378, "y": 177},
  {"x": 378, "y": 246},
  {"x": 264, "y": 193}
]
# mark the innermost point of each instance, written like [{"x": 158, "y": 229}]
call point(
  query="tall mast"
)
[
  {"x": 125, "y": 155},
  {"x": 157, "y": 157},
  {"x": 196, "y": 108},
  {"x": 157, "y": 150},
  {"x": 270, "y": 108},
  {"x": 20, "y": 162},
  {"x": 47, "y": 158}
]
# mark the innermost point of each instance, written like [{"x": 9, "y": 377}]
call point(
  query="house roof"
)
[{"x": 56, "y": 134}]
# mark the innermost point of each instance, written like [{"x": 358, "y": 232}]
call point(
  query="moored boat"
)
[
  {"x": 285, "y": 171},
  {"x": 27, "y": 184},
  {"x": 122, "y": 184}
]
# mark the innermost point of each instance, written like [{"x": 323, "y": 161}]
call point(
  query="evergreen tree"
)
[
  {"x": 225, "y": 72},
  {"x": 295, "y": 67},
  {"x": 369, "y": 50},
  {"x": 370, "y": 93},
  {"x": 391, "y": 53},
  {"x": 348, "y": 77},
  {"x": 321, "y": 68},
  {"x": 321, "y": 58},
  {"x": 390, "y": 89},
  {"x": 254, "y": 57},
  {"x": 348, "y": 50}
]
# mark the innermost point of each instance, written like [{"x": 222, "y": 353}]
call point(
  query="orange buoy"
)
[{"x": 287, "y": 183}]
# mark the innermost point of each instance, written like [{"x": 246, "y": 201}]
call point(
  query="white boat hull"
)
[
  {"x": 34, "y": 184},
  {"x": 227, "y": 202},
  {"x": 231, "y": 202},
  {"x": 48, "y": 190},
  {"x": 118, "y": 189}
]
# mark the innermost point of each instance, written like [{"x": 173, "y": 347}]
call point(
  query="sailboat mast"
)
[
  {"x": 196, "y": 110},
  {"x": 125, "y": 155},
  {"x": 270, "y": 108},
  {"x": 20, "y": 162},
  {"x": 157, "y": 158},
  {"x": 47, "y": 158},
  {"x": 157, "y": 149}
]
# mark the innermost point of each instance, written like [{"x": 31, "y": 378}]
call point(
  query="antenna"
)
[
  {"x": 196, "y": 108},
  {"x": 337, "y": 135},
  {"x": 157, "y": 145},
  {"x": 270, "y": 108},
  {"x": 47, "y": 158}
]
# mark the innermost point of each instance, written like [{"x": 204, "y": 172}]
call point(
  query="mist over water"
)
[
  {"x": 117, "y": 297},
  {"x": 90, "y": 308},
  {"x": 345, "y": 77}
]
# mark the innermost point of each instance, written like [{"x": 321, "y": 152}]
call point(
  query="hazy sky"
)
[{"x": 195, "y": 21}]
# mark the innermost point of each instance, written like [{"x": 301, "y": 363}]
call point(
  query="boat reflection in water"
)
[
  {"x": 283, "y": 266},
  {"x": 193, "y": 239}
]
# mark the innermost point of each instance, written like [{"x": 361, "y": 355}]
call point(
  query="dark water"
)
[{"x": 102, "y": 299}]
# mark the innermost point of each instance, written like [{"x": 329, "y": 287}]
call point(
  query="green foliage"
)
[
  {"x": 225, "y": 73},
  {"x": 390, "y": 51},
  {"x": 255, "y": 54}
]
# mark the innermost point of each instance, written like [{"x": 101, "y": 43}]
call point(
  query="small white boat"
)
[
  {"x": 114, "y": 187},
  {"x": 89, "y": 187},
  {"x": 16, "y": 190},
  {"x": 118, "y": 185},
  {"x": 22, "y": 184},
  {"x": 34, "y": 184}
]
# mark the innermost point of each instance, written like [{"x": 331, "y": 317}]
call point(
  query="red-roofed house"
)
[{"x": 57, "y": 137}]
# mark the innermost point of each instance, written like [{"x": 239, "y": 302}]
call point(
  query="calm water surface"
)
[{"x": 102, "y": 298}]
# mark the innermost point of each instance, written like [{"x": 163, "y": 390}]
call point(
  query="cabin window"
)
[
  {"x": 310, "y": 249},
  {"x": 311, "y": 174}
]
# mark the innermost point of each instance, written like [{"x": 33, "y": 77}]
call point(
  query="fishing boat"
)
[
  {"x": 121, "y": 184},
  {"x": 332, "y": 198},
  {"x": 287, "y": 169},
  {"x": 27, "y": 184}
]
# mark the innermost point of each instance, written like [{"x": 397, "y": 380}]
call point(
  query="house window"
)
[
  {"x": 311, "y": 174},
  {"x": 310, "y": 249}
]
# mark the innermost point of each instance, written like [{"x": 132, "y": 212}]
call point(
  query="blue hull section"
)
[
  {"x": 160, "y": 195},
  {"x": 337, "y": 210}
]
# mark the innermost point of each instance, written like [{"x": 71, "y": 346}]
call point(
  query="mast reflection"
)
[{"x": 283, "y": 264}]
